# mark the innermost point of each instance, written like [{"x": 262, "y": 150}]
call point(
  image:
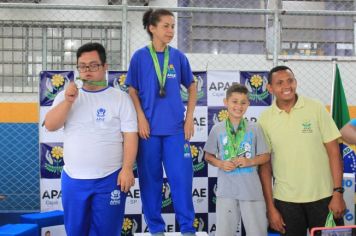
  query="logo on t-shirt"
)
[
  {"x": 187, "y": 152},
  {"x": 115, "y": 197},
  {"x": 307, "y": 127},
  {"x": 171, "y": 73},
  {"x": 244, "y": 150},
  {"x": 100, "y": 114}
]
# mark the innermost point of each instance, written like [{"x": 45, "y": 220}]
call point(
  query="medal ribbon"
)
[
  {"x": 234, "y": 139},
  {"x": 161, "y": 79},
  {"x": 95, "y": 83}
]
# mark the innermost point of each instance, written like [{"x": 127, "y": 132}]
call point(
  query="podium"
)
[
  {"x": 171, "y": 234},
  {"x": 19, "y": 230},
  {"x": 44, "y": 219}
]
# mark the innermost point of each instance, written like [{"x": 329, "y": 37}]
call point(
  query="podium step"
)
[
  {"x": 19, "y": 230},
  {"x": 171, "y": 234}
]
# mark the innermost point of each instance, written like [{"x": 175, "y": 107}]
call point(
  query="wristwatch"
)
[{"x": 339, "y": 189}]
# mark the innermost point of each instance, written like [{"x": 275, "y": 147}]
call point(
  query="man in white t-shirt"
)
[{"x": 100, "y": 146}]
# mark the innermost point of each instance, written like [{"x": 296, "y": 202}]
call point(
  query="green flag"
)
[
  {"x": 341, "y": 116},
  {"x": 339, "y": 108}
]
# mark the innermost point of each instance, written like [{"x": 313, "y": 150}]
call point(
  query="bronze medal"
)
[{"x": 162, "y": 92}]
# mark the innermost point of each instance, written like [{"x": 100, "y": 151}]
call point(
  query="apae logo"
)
[
  {"x": 199, "y": 224},
  {"x": 215, "y": 188},
  {"x": 100, "y": 114},
  {"x": 221, "y": 116},
  {"x": 198, "y": 157},
  {"x": 119, "y": 82},
  {"x": 257, "y": 86},
  {"x": 115, "y": 197},
  {"x": 187, "y": 152},
  {"x": 54, "y": 160},
  {"x": 216, "y": 115},
  {"x": 171, "y": 73},
  {"x": 212, "y": 188},
  {"x": 166, "y": 195},
  {"x": 129, "y": 227},
  {"x": 54, "y": 85},
  {"x": 199, "y": 81},
  {"x": 256, "y": 83}
]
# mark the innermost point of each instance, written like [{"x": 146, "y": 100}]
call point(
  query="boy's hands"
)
[
  {"x": 237, "y": 162},
  {"x": 71, "y": 92},
  {"x": 227, "y": 165},
  {"x": 242, "y": 162}
]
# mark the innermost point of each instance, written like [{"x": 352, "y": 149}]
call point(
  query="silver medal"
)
[{"x": 79, "y": 83}]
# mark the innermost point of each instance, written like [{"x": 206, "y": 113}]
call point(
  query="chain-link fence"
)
[
  {"x": 19, "y": 178},
  {"x": 246, "y": 35},
  {"x": 215, "y": 35}
]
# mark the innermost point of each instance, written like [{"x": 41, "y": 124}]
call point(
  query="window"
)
[
  {"x": 23, "y": 46},
  {"x": 212, "y": 32}
]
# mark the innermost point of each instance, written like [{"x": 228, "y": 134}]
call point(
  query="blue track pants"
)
[
  {"x": 92, "y": 207},
  {"x": 174, "y": 152}
]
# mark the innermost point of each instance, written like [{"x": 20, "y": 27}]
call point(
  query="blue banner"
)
[
  {"x": 201, "y": 83},
  {"x": 51, "y": 160},
  {"x": 117, "y": 79},
  {"x": 51, "y": 83},
  {"x": 256, "y": 82}
]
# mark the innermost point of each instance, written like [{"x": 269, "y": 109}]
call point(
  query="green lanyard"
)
[
  {"x": 161, "y": 79},
  {"x": 234, "y": 139},
  {"x": 80, "y": 82}
]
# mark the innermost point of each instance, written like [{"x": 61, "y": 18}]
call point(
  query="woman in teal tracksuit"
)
[{"x": 155, "y": 74}]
